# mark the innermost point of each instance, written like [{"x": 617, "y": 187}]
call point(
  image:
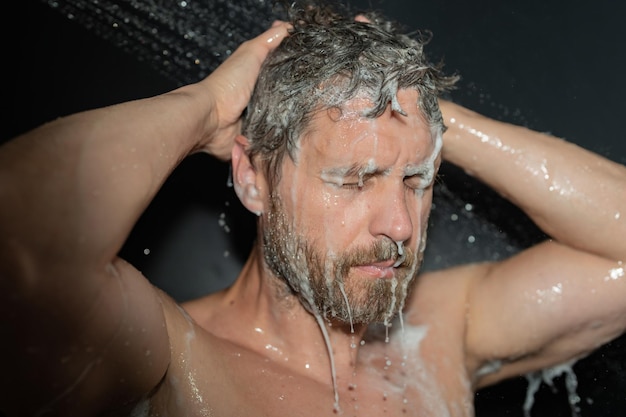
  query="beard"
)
[{"x": 322, "y": 280}]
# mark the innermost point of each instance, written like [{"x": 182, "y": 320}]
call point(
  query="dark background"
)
[{"x": 552, "y": 66}]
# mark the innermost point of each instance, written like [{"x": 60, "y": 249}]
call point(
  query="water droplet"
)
[{"x": 615, "y": 273}]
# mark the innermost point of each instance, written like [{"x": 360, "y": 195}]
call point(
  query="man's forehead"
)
[{"x": 356, "y": 138}]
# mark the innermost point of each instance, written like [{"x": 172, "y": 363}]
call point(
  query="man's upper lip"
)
[{"x": 382, "y": 264}]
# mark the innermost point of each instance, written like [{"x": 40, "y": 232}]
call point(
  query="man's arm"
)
[
  {"x": 565, "y": 297},
  {"x": 83, "y": 330}
]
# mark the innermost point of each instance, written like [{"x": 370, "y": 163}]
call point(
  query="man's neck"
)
[{"x": 270, "y": 320}]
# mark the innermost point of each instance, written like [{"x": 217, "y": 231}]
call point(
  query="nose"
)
[{"x": 393, "y": 215}]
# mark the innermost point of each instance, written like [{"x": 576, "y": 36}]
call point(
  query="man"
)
[{"x": 337, "y": 156}]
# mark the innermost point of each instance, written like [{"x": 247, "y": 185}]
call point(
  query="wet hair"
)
[{"x": 327, "y": 60}]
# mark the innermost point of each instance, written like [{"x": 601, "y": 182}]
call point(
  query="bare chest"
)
[{"x": 388, "y": 380}]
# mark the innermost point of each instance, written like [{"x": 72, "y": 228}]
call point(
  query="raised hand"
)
[{"x": 231, "y": 86}]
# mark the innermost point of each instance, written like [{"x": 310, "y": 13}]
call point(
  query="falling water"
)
[
  {"x": 547, "y": 376},
  {"x": 183, "y": 39},
  {"x": 331, "y": 357}
]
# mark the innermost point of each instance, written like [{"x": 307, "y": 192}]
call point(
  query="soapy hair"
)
[{"x": 327, "y": 60}]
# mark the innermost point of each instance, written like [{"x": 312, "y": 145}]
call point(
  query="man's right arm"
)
[{"x": 83, "y": 330}]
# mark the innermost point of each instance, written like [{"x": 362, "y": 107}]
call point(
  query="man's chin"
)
[{"x": 365, "y": 313}]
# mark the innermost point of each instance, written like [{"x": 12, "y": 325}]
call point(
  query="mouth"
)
[{"x": 384, "y": 269}]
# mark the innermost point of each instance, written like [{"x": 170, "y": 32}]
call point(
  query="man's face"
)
[{"x": 347, "y": 222}]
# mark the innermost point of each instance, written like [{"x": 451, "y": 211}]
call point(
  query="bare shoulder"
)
[
  {"x": 205, "y": 368},
  {"x": 88, "y": 345}
]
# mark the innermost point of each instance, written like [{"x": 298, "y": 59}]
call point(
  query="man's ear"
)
[{"x": 249, "y": 184}]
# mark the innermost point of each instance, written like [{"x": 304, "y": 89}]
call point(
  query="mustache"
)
[{"x": 382, "y": 250}]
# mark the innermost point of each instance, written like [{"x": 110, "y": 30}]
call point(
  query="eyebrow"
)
[
  {"x": 418, "y": 169},
  {"x": 355, "y": 170}
]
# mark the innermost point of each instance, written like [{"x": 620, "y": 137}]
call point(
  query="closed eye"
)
[
  {"x": 418, "y": 181},
  {"x": 414, "y": 182},
  {"x": 352, "y": 186},
  {"x": 357, "y": 184}
]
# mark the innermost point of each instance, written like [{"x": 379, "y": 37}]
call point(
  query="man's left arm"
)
[{"x": 560, "y": 299}]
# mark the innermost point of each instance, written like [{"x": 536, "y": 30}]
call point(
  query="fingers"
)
[
  {"x": 231, "y": 85},
  {"x": 261, "y": 45},
  {"x": 247, "y": 58},
  {"x": 275, "y": 34},
  {"x": 277, "y": 23}
]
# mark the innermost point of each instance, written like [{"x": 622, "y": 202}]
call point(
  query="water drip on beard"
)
[
  {"x": 395, "y": 316},
  {"x": 401, "y": 254},
  {"x": 392, "y": 306},
  {"x": 307, "y": 294},
  {"x": 345, "y": 297},
  {"x": 394, "y": 285}
]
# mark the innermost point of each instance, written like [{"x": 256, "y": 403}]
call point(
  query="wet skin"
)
[
  {"x": 266, "y": 352},
  {"x": 78, "y": 184},
  {"x": 276, "y": 358},
  {"x": 357, "y": 182}
]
